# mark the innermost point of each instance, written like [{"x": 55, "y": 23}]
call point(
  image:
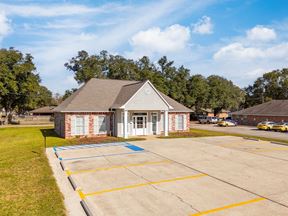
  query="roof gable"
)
[
  {"x": 146, "y": 98},
  {"x": 126, "y": 93}
]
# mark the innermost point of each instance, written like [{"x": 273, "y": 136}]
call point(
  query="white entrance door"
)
[{"x": 140, "y": 125}]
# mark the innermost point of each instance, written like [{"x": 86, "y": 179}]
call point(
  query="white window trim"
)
[
  {"x": 85, "y": 124},
  {"x": 96, "y": 128},
  {"x": 184, "y": 122}
]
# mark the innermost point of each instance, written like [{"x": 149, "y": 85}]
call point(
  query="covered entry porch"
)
[{"x": 142, "y": 123}]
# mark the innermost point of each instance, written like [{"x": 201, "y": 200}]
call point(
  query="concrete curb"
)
[
  {"x": 72, "y": 182},
  {"x": 62, "y": 165},
  {"x": 279, "y": 143},
  {"x": 56, "y": 154},
  {"x": 85, "y": 208},
  {"x": 248, "y": 138}
]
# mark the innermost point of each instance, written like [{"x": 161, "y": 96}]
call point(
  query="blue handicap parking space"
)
[{"x": 134, "y": 148}]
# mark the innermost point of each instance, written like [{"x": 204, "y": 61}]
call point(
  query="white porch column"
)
[
  {"x": 166, "y": 124},
  {"x": 125, "y": 131}
]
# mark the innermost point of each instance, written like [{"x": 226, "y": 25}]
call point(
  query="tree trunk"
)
[{"x": 8, "y": 116}]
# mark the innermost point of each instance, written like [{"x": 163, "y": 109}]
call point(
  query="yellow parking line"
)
[
  {"x": 117, "y": 167},
  {"x": 228, "y": 206},
  {"x": 272, "y": 149},
  {"x": 142, "y": 184},
  {"x": 81, "y": 194}
]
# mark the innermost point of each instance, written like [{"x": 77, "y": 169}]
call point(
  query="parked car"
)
[
  {"x": 266, "y": 125},
  {"x": 208, "y": 120},
  {"x": 282, "y": 126},
  {"x": 227, "y": 123}
]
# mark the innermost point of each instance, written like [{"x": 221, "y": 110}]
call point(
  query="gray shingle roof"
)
[
  {"x": 100, "y": 95},
  {"x": 45, "y": 109},
  {"x": 271, "y": 108}
]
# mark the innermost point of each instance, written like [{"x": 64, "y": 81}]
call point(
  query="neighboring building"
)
[
  {"x": 119, "y": 108},
  {"x": 43, "y": 111},
  {"x": 275, "y": 110},
  {"x": 209, "y": 112}
]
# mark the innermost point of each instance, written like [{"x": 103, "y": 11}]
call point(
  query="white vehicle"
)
[{"x": 208, "y": 120}]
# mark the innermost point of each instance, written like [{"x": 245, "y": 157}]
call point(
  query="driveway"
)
[
  {"x": 244, "y": 130},
  {"x": 193, "y": 176}
]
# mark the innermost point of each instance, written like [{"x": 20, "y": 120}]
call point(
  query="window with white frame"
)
[
  {"x": 180, "y": 121},
  {"x": 79, "y": 125},
  {"x": 101, "y": 124}
]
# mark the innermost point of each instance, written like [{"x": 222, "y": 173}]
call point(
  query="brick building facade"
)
[
  {"x": 119, "y": 108},
  {"x": 275, "y": 110}
]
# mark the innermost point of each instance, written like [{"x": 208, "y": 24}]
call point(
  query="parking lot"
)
[
  {"x": 197, "y": 176},
  {"x": 241, "y": 129}
]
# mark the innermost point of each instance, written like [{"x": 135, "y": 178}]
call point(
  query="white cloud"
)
[
  {"x": 5, "y": 27},
  {"x": 261, "y": 33},
  {"x": 155, "y": 40},
  {"x": 33, "y": 10},
  {"x": 203, "y": 26},
  {"x": 110, "y": 28},
  {"x": 237, "y": 51},
  {"x": 244, "y": 58}
]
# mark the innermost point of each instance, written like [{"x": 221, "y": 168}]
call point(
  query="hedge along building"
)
[
  {"x": 275, "y": 110},
  {"x": 120, "y": 108}
]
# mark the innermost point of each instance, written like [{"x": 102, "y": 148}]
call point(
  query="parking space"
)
[
  {"x": 201, "y": 176},
  {"x": 265, "y": 148}
]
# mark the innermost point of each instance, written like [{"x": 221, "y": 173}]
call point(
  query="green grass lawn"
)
[{"x": 27, "y": 186}]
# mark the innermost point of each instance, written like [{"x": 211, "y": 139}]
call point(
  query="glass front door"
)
[{"x": 139, "y": 125}]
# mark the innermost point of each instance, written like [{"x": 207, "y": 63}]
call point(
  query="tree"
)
[
  {"x": 41, "y": 97},
  {"x": 85, "y": 67},
  {"x": 18, "y": 81},
  {"x": 178, "y": 85},
  {"x": 198, "y": 92},
  {"x": 173, "y": 81},
  {"x": 148, "y": 71},
  {"x": 271, "y": 86},
  {"x": 68, "y": 93},
  {"x": 223, "y": 94},
  {"x": 122, "y": 68},
  {"x": 56, "y": 99}
]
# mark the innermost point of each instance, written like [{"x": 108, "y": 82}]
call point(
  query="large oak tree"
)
[{"x": 19, "y": 83}]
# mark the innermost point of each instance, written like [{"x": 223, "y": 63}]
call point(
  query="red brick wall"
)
[
  {"x": 66, "y": 124},
  {"x": 172, "y": 116},
  {"x": 254, "y": 120}
]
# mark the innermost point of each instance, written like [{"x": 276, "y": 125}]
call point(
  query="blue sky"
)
[{"x": 237, "y": 39}]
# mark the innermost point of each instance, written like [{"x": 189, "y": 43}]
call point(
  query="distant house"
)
[
  {"x": 275, "y": 110},
  {"x": 43, "y": 111},
  {"x": 209, "y": 112},
  {"x": 119, "y": 108}
]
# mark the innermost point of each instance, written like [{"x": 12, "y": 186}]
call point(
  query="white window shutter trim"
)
[
  {"x": 73, "y": 125},
  {"x": 185, "y": 122},
  {"x": 96, "y": 125},
  {"x": 86, "y": 124},
  {"x": 176, "y": 122}
]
